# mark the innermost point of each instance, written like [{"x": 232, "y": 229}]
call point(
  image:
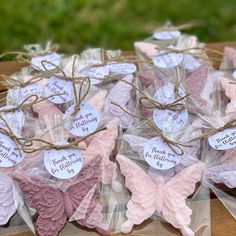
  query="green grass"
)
[{"x": 77, "y": 24}]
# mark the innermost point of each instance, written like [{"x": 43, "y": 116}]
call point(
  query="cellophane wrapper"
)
[{"x": 132, "y": 144}]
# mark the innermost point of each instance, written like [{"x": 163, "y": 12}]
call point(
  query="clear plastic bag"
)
[{"x": 135, "y": 155}]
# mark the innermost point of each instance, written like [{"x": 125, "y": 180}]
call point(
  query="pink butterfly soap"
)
[
  {"x": 120, "y": 94},
  {"x": 150, "y": 196},
  {"x": 230, "y": 92},
  {"x": 147, "y": 48},
  {"x": 9, "y": 198},
  {"x": 46, "y": 108},
  {"x": 98, "y": 100},
  {"x": 103, "y": 143},
  {"x": 224, "y": 171},
  {"x": 195, "y": 82},
  {"x": 55, "y": 206}
]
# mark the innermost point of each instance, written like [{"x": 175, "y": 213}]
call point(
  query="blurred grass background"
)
[{"x": 78, "y": 24}]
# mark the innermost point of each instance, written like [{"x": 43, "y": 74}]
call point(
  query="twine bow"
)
[
  {"x": 24, "y": 105},
  {"x": 194, "y": 51},
  {"x": 174, "y": 106},
  {"x": 27, "y": 144},
  {"x": 26, "y": 56},
  {"x": 10, "y": 82},
  {"x": 175, "y": 146},
  {"x": 212, "y": 131}
]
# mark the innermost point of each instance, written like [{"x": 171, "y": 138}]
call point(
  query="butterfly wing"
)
[
  {"x": 46, "y": 108},
  {"x": 195, "y": 82},
  {"x": 175, "y": 191},
  {"x": 120, "y": 94},
  {"x": 141, "y": 206},
  {"x": 230, "y": 92},
  {"x": 147, "y": 48},
  {"x": 8, "y": 202},
  {"x": 95, "y": 218},
  {"x": 98, "y": 100},
  {"x": 103, "y": 143},
  {"x": 225, "y": 173},
  {"x": 229, "y": 157},
  {"x": 49, "y": 204},
  {"x": 230, "y": 89},
  {"x": 85, "y": 207}
]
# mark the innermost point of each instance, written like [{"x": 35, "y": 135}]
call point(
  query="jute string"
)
[
  {"x": 152, "y": 104},
  {"x": 26, "y": 56},
  {"x": 186, "y": 26},
  {"x": 27, "y": 145},
  {"x": 212, "y": 131},
  {"x": 194, "y": 51},
  {"x": 175, "y": 146}
]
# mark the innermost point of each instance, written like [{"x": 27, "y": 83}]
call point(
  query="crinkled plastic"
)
[
  {"x": 151, "y": 189},
  {"x": 219, "y": 176}
]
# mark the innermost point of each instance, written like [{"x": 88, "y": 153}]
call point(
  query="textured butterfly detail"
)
[
  {"x": 55, "y": 206},
  {"x": 150, "y": 196},
  {"x": 9, "y": 198},
  {"x": 103, "y": 143},
  {"x": 195, "y": 82},
  {"x": 46, "y": 108},
  {"x": 120, "y": 94}
]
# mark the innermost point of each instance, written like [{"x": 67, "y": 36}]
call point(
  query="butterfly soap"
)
[
  {"x": 56, "y": 206},
  {"x": 167, "y": 198}
]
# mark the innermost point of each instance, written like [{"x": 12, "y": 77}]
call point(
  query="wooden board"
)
[{"x": 216, "y": 57}]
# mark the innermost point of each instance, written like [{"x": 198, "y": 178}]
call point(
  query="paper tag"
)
[
  {"x": 121, "y": 68},
  {"x": 159, "y": 155},
  {"x": 52, "y": 57},
  {"x": 223, "y": 140},
  {"x": 31, "y": 90},
  {"x": 168, "y": 120},
  {"x": 234, "y": 74},
  {"x": 190, "y": 63},
  {"x": 63, "y": 164},
  {"x": 166, "y": 59},
  {"x": 98, "y": 72},
  {"x": 9, "y": 156},
  {"x": 167, "y": 35},
  {"x": 86, "y": 120},
  {"x": 56, "y": 86}
]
